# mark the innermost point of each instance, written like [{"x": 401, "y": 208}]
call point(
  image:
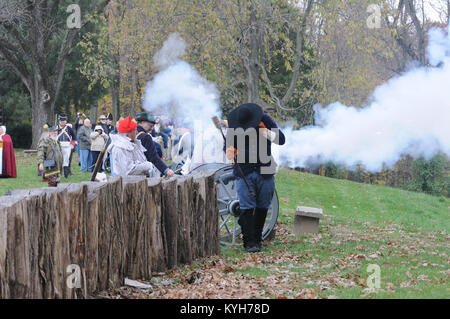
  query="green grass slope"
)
[{"x": 363, "y": 202}]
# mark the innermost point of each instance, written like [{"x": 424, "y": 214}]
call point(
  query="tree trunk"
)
[
  {"x": 93, "y": 113},
  {"x": 253, "y": 70},
  {"x": 115, "y": 89},
  {"x": 133, "y": 93},
  {"x": 42, "y": 111}
]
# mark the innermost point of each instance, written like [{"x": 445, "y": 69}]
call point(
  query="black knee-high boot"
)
[
  {"x": 247, "y": 223},
  {"x": 66, "y": 171},
  {"x": 260, "y": 218}
]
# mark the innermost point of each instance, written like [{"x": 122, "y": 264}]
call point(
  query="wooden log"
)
[
  {"x": 77, "y": 209},
  {"x": 154, "y": 193},
  {"x": 91, "y": 260},
  {"x": 170, "y": 221},
  {"x": 112, "y": 240},
  {"x": 208, "y": 216},
  {"x": 211, "y": 215},
  {"x": 54, "y": 255},
  {"x": 5, "y": 203},
  {"x": 136, "y": 219},
  {"x": 4, "y": 287},
  {"x": 184, "y": 194},
  {"x": 18, "y": 259},
  {"x": 34, "y": 211},
  {"x": 14, "y": 251},
  {"x": 199, "y": 202}
]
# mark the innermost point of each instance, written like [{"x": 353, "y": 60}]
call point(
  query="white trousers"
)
[{"x": 66, "y": 150}]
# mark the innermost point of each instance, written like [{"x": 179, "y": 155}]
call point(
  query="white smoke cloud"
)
[
  {"x": 409, "y": 114},
  {"x": 179, "y": 91}
]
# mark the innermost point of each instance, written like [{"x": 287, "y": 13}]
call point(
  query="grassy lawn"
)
[
  {"x": 406, "y": 234},
  {"x": 27, "y": 174}
]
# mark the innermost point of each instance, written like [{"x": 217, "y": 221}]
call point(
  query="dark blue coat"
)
[
  {"x": 151, "y": 153},
  {"x": 66, "y": 137},
  {"x": 247, "y": 166}
]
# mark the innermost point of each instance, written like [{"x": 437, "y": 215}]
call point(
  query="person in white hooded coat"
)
[{"x": 127, "y": 152}]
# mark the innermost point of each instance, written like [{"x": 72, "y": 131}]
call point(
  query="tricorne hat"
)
[{"x": 245, "y": 116}]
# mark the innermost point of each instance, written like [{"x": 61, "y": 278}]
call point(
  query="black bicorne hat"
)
[
  {"x": 145, "y": 117},
  {"x": 110, "y": 117},
  {"x": 245, "y": 116}
]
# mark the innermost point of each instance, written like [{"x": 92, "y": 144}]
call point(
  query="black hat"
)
[
  {"x": 145, "y": 117},
  {"x": 62, "y": 117},
  {"x": 110, "y": 117},
  {"x": 245, "y": 116}
]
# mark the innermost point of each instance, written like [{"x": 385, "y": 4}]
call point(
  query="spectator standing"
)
[
  {"x": 84, "y": 137},
  {"x": 103, "y": 124},
  {"x": 98, "y": 140}
]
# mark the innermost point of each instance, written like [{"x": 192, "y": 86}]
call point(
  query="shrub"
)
[
  {"x": 431, "y": 176},
  {"x": 21, "y": 135}
]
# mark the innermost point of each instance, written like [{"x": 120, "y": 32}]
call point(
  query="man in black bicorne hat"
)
[
  {"x": 145, "y": 125},
  {"x": 250, "y": 134},
  {"x": 109, "y": 123}
]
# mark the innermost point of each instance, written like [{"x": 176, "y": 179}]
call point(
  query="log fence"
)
[{"x": 78, "y": 239}]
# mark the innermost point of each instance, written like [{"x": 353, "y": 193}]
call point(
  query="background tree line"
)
[{"x": 286, "y": 55}]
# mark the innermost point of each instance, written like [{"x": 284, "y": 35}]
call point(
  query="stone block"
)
[{"x": 306, "y": 220}]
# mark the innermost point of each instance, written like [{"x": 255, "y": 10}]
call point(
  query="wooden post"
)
[
  {"x": 170, "y": 220},
  {"x": 112, "y": 240},
  {"x": 77, "y": 208},
  {"x": 199, "y": 214},
  {"x": 184, "y": 247},
  {"x": 136, "y": 221},
  {"x": 158, "y": 262},
  {"x": 91, "y": 265}
]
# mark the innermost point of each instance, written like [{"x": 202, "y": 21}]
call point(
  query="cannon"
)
[{"x": 228, "y": 204}]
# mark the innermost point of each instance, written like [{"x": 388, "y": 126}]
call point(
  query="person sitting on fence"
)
[
  {"x": 49, "y": 156},
  {"x": 127, "y": 152}
]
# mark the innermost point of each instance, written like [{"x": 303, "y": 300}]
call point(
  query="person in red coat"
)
[{"x": 7, "y": 159}]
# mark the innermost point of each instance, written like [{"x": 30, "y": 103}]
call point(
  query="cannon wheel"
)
[{"x": 228, "y": 204}]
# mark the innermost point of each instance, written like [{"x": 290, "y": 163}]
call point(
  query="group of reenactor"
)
[{"x": 132, "y": 152}]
